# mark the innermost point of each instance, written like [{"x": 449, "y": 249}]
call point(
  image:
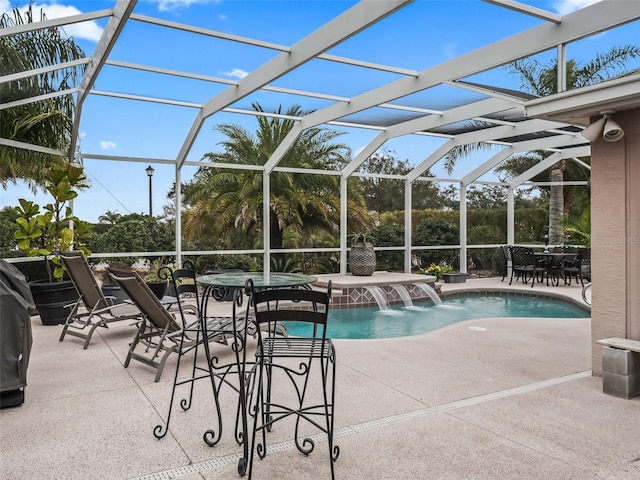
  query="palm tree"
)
[
  {"x": 110, "y": 217},
  {"x": 579, "y": 227},
  {"x": 229, "y": 203},
  {"x": 541, "y": 79},
  {"x": 46, "y": 123}
]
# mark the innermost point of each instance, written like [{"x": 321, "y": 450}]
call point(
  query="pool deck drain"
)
[{"x": 366, "y": 426}]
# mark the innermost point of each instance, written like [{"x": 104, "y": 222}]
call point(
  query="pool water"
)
[{"x": 401, "y": 321}]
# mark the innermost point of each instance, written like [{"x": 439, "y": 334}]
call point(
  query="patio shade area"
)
[{"x": 492, "y": 398}]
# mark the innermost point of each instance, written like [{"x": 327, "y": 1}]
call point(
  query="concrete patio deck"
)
[{"x": 514, "y": 401}]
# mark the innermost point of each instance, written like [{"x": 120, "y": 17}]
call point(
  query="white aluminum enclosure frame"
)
[{"x": 497, "y": 107}]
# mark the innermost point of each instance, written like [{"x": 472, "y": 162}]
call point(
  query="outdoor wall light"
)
[{"x": 611, "y": 131}]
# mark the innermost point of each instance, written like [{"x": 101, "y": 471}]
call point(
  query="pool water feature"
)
[
  {"x": 380, "y": 297},
  {"x": 433, "y": 295},
  {"x": 423, "y": 317},
  {"x": 404, "y": 295}
]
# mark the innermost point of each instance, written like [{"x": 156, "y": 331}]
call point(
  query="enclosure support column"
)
[
  {"x": 343, "y": 225},
  {"x": 266, "y": 222},
  {"x": 178, "y": 204},
  {"x": 510, "y": 215},
  {"x": 407, "y": 225},
  {"x": 463, "y": 227}
]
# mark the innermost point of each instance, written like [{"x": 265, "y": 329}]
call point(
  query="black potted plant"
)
[
  {"x": 362, "y": 256},
  {"x": 45, "y": 233},
  {"x": 150, "y": 273}
]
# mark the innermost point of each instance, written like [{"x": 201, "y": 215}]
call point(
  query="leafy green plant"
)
[
  {"x": 326, "y": 265},
  {"x": 361, "y": 238},
  {"x": 437, "y": 270},
  {"x": 389, "y": 235},
  {"x": 56, "y": 229},
  {"x": 437, "y": 232},
  {"x": 579, "y": 227},
  {"x": 285, "y": 264}
]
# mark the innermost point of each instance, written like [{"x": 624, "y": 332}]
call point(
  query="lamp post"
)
[
  {"x": 546, "y": 238},
  {"x": 150, "y": 171}
]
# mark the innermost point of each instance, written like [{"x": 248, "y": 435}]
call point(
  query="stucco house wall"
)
[{"x": 615, "y": 242}]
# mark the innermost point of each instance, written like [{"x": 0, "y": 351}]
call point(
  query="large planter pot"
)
[
  {"x": 362, "y": 260},
  {"x": 454, "y": 277},
  {"x": 50, "y": 299},
  {"x": 158, "y": 288}
]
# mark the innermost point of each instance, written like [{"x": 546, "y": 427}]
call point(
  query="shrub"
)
[{"x": 437, "y": 232}]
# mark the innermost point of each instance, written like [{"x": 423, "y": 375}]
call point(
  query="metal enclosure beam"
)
[
  {"x": 483, "y": 107},
  {"x": 579, "y": 24},
  {"x": 114, "y": 27},
  {"x": 357, "y": 18},
  {"x": 548, "y": 162}
]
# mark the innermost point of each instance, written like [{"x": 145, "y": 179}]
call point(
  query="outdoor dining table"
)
[
  {"x": 551, "y": 260},
  {"x": 236, "y": 284}
]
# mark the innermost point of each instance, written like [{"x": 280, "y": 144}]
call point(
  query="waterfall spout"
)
[
  {"x": 430, "y": 291},
  {"x": 380, "y": 297},
  {"x": 404, "y": 294}
]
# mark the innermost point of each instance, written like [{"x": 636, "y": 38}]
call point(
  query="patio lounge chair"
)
[
  {"x": 92, "y": 309},
  {"x": 161, "y": 332}
]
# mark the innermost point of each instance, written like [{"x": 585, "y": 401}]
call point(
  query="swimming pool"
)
[{"x": 400, "y": 321}]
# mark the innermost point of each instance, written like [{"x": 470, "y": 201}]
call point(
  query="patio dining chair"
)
[
  {"x": 291, "y": 361},
  {"x": 506, "y": 257},
  {"x": 524, "y": 263},
  {"x": 558, "y": 262},
  {"x": 92, "y": 309},
  {"x": 577, "y": 267}
]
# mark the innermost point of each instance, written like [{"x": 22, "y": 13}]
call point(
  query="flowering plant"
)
[{"x": 437, "y": 270}]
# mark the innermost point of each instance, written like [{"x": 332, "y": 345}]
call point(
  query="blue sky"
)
[{"x": 422, "y": 35}]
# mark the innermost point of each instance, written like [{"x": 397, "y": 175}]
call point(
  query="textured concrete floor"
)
[{"x": 513, "y": 399}]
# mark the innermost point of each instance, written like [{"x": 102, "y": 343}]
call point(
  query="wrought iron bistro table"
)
[
  {"x": 553, "y": 259},
  {"x": 235, "y": 284}
]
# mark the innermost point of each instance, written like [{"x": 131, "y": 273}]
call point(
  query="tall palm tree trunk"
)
[
  {"x": 556, "y": 204},
  {"x": 276, "y": 234}
]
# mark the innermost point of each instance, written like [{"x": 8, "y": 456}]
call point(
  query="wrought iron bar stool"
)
[
  {"x": 290, "y": 361},
  {"x": 200, "y": 332}
]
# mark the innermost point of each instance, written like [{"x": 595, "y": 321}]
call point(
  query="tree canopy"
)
[
  {"x": 47, "y": 123},
  {"x": 229, "y": 203},
  {"x": 387, "y": 194}
]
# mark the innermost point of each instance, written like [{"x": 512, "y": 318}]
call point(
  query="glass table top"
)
[{"x": 260, "y": 279}]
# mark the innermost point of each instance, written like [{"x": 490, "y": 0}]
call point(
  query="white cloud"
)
[
  {"x": 105, "y": 145},
  {"x": 236, "y": 73},
  {"x": 564, "y": 7},
  {"x": 166, "y": 5},
  {"x": 85, "y": 30}
]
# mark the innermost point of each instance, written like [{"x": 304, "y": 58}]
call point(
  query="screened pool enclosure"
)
[{"x": 351, "y": 66}]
